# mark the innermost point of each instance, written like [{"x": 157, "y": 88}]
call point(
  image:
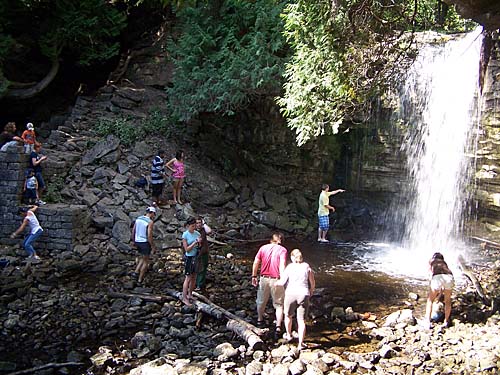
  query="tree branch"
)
[{"x": 26, "y": 93}]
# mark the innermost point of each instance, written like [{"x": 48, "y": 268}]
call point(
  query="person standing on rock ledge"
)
[
  {"x": 324, "y": 211},
  {"x": 35, "y": 230},
  {"x": 35, "y": 162},
  {"x": 157, "y": 174},
  {"x": 176, "y": 165},
  {"x": 142, "y": 234},
  {"x": 271, "y": 259}
]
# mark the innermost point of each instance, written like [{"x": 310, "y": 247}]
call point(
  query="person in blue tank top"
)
[{"x": 142, "y": 235}]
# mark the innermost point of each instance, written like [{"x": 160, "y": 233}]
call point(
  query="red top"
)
[
  {"x": 29, "y": 136},
  {"x": 270, "y": 256}
]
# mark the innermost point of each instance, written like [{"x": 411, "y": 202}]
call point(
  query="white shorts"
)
[{"x": 444, "y": 281}]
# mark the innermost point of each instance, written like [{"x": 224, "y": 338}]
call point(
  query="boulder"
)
[{"x": 101, "y": 149}]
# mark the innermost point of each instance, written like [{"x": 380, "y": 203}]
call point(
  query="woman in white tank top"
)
[{"x": 35, "y": 230}]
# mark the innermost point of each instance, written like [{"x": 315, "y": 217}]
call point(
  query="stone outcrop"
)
[{"x": 485, "y": 12}]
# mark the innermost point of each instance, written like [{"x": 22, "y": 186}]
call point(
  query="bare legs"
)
[
  {"x": 187, "y": 288},
  {"x": 177, "y": 190},
  {"x": 322, "y": 235},
  {"x": 142, "y": 267},
  {"x": 433, "y": 294}
]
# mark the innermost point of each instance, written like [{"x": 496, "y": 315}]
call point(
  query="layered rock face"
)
[{"x": 488, "y": 152}]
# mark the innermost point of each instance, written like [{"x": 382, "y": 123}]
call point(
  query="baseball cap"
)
[
  {"x": 30, "y": 126},
  {"x": 151, "y": 209}
]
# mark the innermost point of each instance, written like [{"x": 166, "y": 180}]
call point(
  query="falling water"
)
[
  {"x": 439, "y": 107},
  {"x": 437, "y": 113}
]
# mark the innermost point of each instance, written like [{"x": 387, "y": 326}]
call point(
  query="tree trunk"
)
[{"x": 26, "y": 93}]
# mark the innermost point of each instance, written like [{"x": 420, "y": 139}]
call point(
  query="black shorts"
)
[
  {"x": 143, "y": 247},
  {"x": 157, "y": 189},
  {"x": 190, "y": 265}
]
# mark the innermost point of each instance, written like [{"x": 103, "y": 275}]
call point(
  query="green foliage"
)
[
  {"x": 84, "y": 32},
  {"x": 226, "y": 57},
  {"x": 130, "y": 131},
  {"x": 54, "y": 188},
  {"x": 345, "y": 53}
]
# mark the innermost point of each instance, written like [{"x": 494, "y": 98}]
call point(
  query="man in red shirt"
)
[{"x": 271, "y": 259}]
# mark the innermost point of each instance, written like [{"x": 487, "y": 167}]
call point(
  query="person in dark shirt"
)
[
  {"x": 8, "y": 137},
  {"x": 35, "y": 163}
]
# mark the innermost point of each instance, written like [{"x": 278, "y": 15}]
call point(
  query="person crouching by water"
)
[
  {"x": 300, "y": 284},
  {"x": 441, "y": 282},
  {"x": 191, "y": 242},
  {"x": 35, "y": 230},
  {"x": 142, "y": 233}
]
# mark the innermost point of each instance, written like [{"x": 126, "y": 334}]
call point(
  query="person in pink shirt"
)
[
  {"x": 176, "y": 165},
  {"x": 271, "y": 258}
]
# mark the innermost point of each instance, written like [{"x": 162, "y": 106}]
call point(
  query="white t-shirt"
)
[
  {"x": 297, "y": 275},
  {"x": 33, "y": 222}
]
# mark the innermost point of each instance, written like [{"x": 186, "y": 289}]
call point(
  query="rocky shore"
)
[{"x": 83, "y": 308}]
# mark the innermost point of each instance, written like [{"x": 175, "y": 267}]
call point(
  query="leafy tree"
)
[
  {"x": 82, "y": 31},
  {"x": 345, "y": 53},
  {"x": 229, "y": 54}
]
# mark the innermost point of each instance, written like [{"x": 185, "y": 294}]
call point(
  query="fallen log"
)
[
  {"x": 44, "y": 367},
  {"x": 467, "y": 272},
  {"x": 485, "y": 242},
  {"x": 145, "y": 297},
  {"x": 243, "y": 329}
]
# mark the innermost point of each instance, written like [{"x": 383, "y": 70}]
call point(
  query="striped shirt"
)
[{"x": 157, "y": 170}]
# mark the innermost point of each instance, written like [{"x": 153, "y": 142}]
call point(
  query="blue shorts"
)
[
  {"x": 41, "y": 182},
  {"x": 324, "y": 222}
]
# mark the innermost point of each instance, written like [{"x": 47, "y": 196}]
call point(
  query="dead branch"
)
[{"x": 46, "y": 366}]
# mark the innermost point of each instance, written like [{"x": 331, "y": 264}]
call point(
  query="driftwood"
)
[
  {"x": 475, "y": 282},
  {"x": 145, "y": 297},
  {"x": 44, "y": 367},
  {"x": 486, "y": 243},
  {"x": 243, "y": 329}
]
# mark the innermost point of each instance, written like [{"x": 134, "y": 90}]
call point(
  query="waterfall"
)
[
  {"x": 438, "y": 107},
  {"x": 438, "y": 117}
]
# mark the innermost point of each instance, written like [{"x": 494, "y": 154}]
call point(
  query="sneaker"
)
[
  {"x": 323, "y": 240},
  {"x": 40, "y": 202},
  {"x": 287, "y": 337},
  {"x": 446, "y": 324}
]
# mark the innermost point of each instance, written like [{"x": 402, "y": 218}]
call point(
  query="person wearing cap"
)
[
  {"x": 142, "y": 234},
  {"x": 35, "y": 230},
  {"x": 271, "y": 258},
  {"x": 29, "y": 138}
]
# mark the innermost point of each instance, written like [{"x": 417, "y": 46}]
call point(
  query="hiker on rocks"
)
[
  {"x": 35, "y": 230},
  {"x": 271, "y": 258},
  {"x": 442, "y": 281},
  {"x": 324, "y": 211},
  {"x": 157, "y": 174},
  {"x": 8, "y": 137},
  {"x": 191, "y": 242},
  {"x": 142, "y": 234},
  {"x": 204, "y": 230},
  {"x": 176, "y": 165},
  {"x": 30, "y": 188},
  {"x": 29, "y": 138},
  {"x": 299, "y": 280},
  {"x": 36, "y": 160}
]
